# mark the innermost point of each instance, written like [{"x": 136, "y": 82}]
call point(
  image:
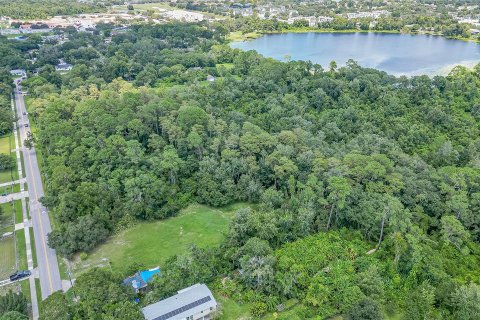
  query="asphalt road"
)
[{"x": 46, "y": 257}]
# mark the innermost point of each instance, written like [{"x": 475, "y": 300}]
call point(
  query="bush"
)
[
  {"x": 366, "y": 309},
  {"x": 258, "y": 309},
  {"x": 6, "y": 162}
]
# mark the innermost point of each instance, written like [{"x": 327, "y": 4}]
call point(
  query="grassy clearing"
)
[
  {"x": 6, "y": 218},
  {"x": 149, "y": 6},
  {"x": 21, "y": 250},
  {"x": 7, "y": 256},
  {"x": 231, "y": 310},
  {"x": 152, "y": 243},
  {"x": 5, "y": 146},
  {"x": 7, "y": 143},
  {"x": 239, "y": 36}
]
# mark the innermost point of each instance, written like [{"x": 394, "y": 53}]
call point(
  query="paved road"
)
[
  {"x": 26, "y": 225},
  {"x": 46, "y": 257}
]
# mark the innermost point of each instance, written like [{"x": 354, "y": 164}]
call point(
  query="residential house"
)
[
  {"x": 63, "y": 66},
  {"x": 192, "y": 303}
]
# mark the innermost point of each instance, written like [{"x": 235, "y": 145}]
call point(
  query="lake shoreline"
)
[
  {"x": 239, "y": 36},
  {"x": 399, "y": 54}
]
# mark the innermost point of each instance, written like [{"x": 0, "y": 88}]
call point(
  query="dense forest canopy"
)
[
  {"x": 41, "y": 9},
  {"x": 335, "y": 162}
]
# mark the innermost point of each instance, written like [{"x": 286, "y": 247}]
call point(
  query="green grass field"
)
[
  {"x": 6, "y": 218},
  {"x": 231, "y": 310},
  {"x": 21, "y": 250},
  {"x": 7, "y": 143},
  {"x": 152, "y": 243},
  {"x": 18, "y": 211},
  {"x": 7, "y": 256}
]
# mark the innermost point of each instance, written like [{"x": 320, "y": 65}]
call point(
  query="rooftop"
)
[{"x": 186, "y": 302}]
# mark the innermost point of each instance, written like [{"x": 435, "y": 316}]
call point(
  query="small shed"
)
[{"x": 210, "y": 78}]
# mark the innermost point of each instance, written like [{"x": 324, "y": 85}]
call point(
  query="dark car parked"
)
[{"x": 20, "y": 275}]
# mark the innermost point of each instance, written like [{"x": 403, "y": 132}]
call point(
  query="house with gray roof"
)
[{"x": 192, "y": 303}]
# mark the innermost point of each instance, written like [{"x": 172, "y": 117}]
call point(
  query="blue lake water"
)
[{"x": 397, "y": 54}]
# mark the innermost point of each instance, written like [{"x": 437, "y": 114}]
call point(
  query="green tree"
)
[
  {"x": 366, "y": 309},
  {"x": 453, "y": 232},
  {"x": 13, "y": 302},
  {"x": 466, "y": 302}
]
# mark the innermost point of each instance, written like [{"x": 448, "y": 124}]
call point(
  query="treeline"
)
[
  {"x": 6, "y": 86},
  {"x": 442, "y": 25},
  {"x": 264, "y": 134},
  {"x": 41, "y": 9}
]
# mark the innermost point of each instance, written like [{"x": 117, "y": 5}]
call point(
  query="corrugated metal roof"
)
[{"x": 186, "y": 302}]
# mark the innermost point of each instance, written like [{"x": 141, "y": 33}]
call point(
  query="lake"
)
[{"x": 397, "y": 54}]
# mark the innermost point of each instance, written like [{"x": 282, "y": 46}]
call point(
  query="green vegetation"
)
[
  {"x": 7, "y": 243},
  {"x": 25, "y": 288},
  {"x": 32, "y": 245},
  {"x": 18, "y": 211},
  {"x": 366, "y": 186},
  {"x": 6, "y": 218},
  {"x": 8, "y": 162},
  {"x": 39, "y": 9},
  {"x": 13, "y": 303},
  {"x": 239, "y": 36},
  {"x": 21, "y": 250},
  {"x": 152, "y": 243},
  {"x": 7, "y": 256}
]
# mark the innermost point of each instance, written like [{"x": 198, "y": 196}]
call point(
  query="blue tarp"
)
[{"x": 147, "y": 275}]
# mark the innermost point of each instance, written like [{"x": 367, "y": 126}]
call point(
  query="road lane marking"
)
[{"x": 40, "y": 220}]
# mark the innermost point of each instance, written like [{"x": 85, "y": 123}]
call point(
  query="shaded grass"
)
[
  {"x": 7, "y": 257},
  {"x": 39, "y": 292},
  {"x": 152, "y": 243},
  {"x": 25, "y": 287},
  {"x": 32, "y": 245},
  {"x": 6, "y": 218}
]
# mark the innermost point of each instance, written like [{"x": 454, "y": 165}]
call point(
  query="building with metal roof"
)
[{"x": 192, "y": 303}]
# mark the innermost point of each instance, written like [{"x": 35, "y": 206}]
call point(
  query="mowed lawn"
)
[
  {"x": 7, "y": 257},
  {"x": 7, "y": 143},
  {"x": 152, "y": 243}
]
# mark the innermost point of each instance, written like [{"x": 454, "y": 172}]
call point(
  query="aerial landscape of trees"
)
[
  {"x": 35, "y": 9},
  {"x": 364, "y": 187}
]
